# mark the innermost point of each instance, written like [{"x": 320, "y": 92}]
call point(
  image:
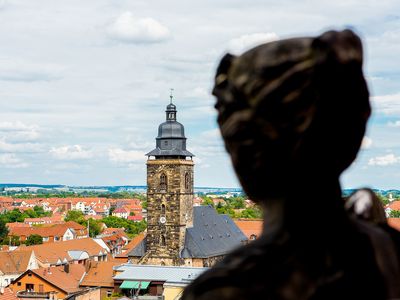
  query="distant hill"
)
[{"x": 142, "y": 188}]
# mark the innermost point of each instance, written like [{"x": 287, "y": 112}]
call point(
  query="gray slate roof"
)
[
  {"x": 169, "y": 274},
  {"x": 139, "y": 250},
  {"x": 211, "y": 235}
]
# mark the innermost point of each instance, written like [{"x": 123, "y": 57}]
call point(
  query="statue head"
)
[{"x": 292, "y": 111}]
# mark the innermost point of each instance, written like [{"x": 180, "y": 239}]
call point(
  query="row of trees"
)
[
  {"x": 131, "y": 228},
  {"x": 33, "y": 239},
  {"x": 16, "y": 215},
  {"x": 235, "y": 207},
  {"x": 73, "y": 194}
]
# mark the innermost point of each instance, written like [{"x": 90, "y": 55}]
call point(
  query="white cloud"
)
[
  {"x": 366, "y": 143},
  {"x": 18, "y": 131},
  {"x": 71, "y": 152},
  {"x": 20, "y": 147},
  {"x": 388, "y": 104},
  {"x": 127, "y": 28},
  {"x": 394, "y": 124},
  {"x": 26, "y": 71},
  {"x": 248, "y": 41},
  {"x": 385, "y": 160},
  {"x": 125, "y": 156},
  {"x": 9, "y": 160}
]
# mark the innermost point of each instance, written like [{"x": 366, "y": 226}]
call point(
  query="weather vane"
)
[{"x": 171, "y": 96}]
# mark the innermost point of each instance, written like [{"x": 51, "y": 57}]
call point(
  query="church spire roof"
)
[{"x": 171, "y": 140}]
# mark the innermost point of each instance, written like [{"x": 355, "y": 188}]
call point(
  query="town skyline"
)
[{"x": 85, "y": 85}]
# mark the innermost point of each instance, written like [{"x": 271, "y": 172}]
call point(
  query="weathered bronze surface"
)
[{"x": 293, "y": 114}]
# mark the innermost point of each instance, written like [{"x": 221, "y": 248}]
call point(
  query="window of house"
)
[
  {"x": 109, "y": 293},
  {"x": 18, "y": 283},
  {"x": 163, "y": 182},
  {"x": 163, "y": 209}
]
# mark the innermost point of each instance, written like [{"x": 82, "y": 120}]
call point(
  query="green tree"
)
[
  {"x": 207, "y": 201},
  {"x": 251, "y": 213},
  {"x": 94, "y": 227},
  {"x": 237, "y": 203},
  {"x": 384, "y": 200},
  {"x": 3, "y": 229},
  {"x": 11, "y": 240},
  {"x": 76, "y": 216},
  {"x": 394, "y": 214},
  {"x": 34, "y": 239}
]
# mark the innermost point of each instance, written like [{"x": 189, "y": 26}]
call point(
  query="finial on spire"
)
[{"x": 171, "y": 96}]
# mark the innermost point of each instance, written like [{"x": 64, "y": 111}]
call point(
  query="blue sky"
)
[{"x": 84, "y": 84}]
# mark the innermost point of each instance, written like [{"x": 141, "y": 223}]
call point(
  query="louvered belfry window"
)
[{"x": 163, "y": 182}]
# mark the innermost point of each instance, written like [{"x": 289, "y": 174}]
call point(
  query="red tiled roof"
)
[
  {"x": 120, "y": 210},
  {"x": 135, "y": 218},
  {"x": 250, "y": 226},
  {"x": 55, "y": 230},
  {"x": 66, "y": 281},
  {"x": 100, "y": 274},
  {"x": 17, "y": 224},
  {"x": 7, "y": 294},
  {"x": 52, "y": 252},
  {"x": 395, "y": 205},
  {"x": 14, "y": 262},
  {"x": 394, "y": 222},
  {"x": 134, "y": 242}
]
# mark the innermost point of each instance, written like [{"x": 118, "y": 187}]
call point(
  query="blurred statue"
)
[
  {"x": 293, "y": 114},
  {"x": 365, "y": 205}
]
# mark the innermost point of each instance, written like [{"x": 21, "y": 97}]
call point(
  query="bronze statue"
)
[{"x": 293, "y": 114}]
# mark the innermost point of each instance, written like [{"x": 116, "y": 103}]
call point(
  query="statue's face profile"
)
[{"x": 293, "y": 110}]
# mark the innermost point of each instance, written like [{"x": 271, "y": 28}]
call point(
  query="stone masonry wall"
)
[{"x": 165, "y": 240}]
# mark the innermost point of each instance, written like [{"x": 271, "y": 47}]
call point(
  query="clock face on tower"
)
[{"x": 163, "y": 220}]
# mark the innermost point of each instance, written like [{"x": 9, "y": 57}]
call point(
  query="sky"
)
[{"x": 84, "y": 84}]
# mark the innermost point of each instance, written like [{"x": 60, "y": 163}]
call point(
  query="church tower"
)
[{"x": 169, "y": 193}]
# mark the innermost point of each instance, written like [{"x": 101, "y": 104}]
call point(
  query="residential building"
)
[
  {"x": 55, "y": 233},
  {"x": 252, "y": 228},
  {"x": 49, "y": 283},
  {"x": 14, "y": 263},
  {"x": 76, "y": 251},
  {"x": 121, "y": 212},
  {"x": 100, "y": 274},
  {"x": 167, "y": 282}
]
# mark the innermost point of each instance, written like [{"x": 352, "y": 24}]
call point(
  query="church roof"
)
[
  {"x": 211, "y": 235},
  {"x": 171, "y": 140},
  {"x": 139, "y": 250}
]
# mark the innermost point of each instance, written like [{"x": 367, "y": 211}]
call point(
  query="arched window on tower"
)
[
  {"x": 187, "y": 181},
  {"x": 163, "y": 209},
  {"x": 163, "y": 182},
  {"x": 162, "y": 240}
]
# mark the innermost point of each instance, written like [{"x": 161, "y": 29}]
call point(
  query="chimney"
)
[
  {"x": 66, "y": 268},
  {"x": 87, "y": 265}
]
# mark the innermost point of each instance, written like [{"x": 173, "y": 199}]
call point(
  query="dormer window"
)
[{"x": 163, "y": 182}]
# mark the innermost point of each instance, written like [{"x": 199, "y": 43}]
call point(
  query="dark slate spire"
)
[{"x": 171, "y": 140}]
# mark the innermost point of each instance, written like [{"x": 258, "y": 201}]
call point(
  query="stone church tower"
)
[{"x": 169, "y": 193}]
